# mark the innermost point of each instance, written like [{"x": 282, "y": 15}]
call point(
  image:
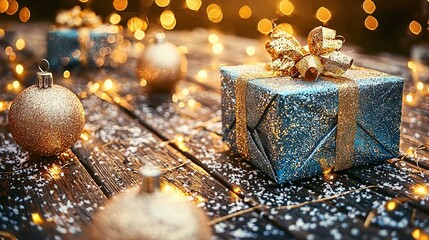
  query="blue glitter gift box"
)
[
  {"x": 92, "y": 47},
  {"x": 292, "y": 124}
]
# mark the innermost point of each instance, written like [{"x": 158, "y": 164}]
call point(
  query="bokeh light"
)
[
  {"x": 20, "y": 44},
  {"x": 162, "y": 3},
  {"x": 323, "y": 14},
  {"x": 265, "y": 26},
  {"x": 285, "y": 7},
  {"x": 214, "y": 13},
  {"x": 193, "y": 5},
  {"x": 371, "y": 23},
  {"x": 24, "y": 14},
  {"x": 13, "y": 7},
  {"x": 4, "y": 5},
  {"x": 120, "y": 5},
  {"x": 415, "y": 27},
  {"x": 168, "y": 20},
  {"x": 368, "y": 6},
  {"x": 245, "y": 12},
  {"x": 115, "y": 18}
]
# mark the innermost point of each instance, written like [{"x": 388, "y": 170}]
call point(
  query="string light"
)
[
  {"x": 245, "y": 12},
  {"x": 368, "y": 6},
  {"x": 16, "y": 84},
  {"x": 323, "y": 14},
  {"x": 84, "y": 137},
  {"x": 391, "y": 205},
  {"x": 415, "y": 27},
  {"x": 419, "y": 234},
  {"x": 108, "y": 84},
  {"x": 265, "y": 26},
  {"x": 193, "y": 5},
  {"x": 285, "y": 7},
  {"x": 420, "y": 86},
  {"x": 371, "y": 23},
  {"x": 55, "y": 171},
  {"x": 409, "y": 98},
  {"x": 421, "y": 191},
  {"x": 3, "y": 106},
  {"x": 24, "y": 14}
]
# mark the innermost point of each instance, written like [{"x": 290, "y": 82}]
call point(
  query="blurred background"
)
[{"x": 375, "y": 25}]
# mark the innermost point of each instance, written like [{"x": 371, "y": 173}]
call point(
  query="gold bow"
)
[{"x": 321, "y": 56}]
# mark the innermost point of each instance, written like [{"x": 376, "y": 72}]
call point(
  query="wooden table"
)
[{"x": 55, "y": 198}]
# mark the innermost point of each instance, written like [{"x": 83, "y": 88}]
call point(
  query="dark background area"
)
[{"x": 392, "y": 35}]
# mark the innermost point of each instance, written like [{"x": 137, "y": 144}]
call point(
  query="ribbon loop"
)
[{"x": 320, "y": 56}]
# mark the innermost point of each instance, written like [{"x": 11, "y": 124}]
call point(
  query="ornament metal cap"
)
[
  {"x": 44, "y": 78},
  {"x": 159, "y": 37},
  {"x": 151, "y": 179}
]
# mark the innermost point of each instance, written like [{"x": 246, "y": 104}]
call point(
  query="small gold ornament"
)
[
  {"x": 161, "y": 65},
  {"x": 149, "y": 213},
  {"x": 46, "y": 119}
]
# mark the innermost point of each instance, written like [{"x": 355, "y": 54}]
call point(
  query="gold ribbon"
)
[{"x": 321, "y": 56}]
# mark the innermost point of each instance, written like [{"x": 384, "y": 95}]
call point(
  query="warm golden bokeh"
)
[
  {"x": 323, "y": 14},
  {"x": 371, "y": 23},
  {"x": 265, "y": 26},
  {"x": 285, "y": 7},
  {"x": 162, "y": 3},
  {"x": 245, "y": 12},
  {"x": 168, "y": 20},
  {"x": 415, "y": 27},
  {"x": 24, "y": 14},
  {"x": 214, "y": 13},
  {"x": 20, "y": 44},
  {"x": 115, "y": 18},
  {"x": 4, "y": 5},
  {"x": 285, "y": 27},
  {"x": 13, "y": 7},
  {"x": 193, "y": 5},
  {"x": 368, "y": 6},
  {"x": 120, "y": 5}
]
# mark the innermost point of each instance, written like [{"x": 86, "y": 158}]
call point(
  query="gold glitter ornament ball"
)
[
  {"x": 161, "y": 65},
  {"x": 46, "y": 119},
  {"x": 150, "y": 214}
]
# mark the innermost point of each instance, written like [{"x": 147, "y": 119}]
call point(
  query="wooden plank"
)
[
  {"x": 44, "y": 197},
  {"x": 118, "y": 145}
]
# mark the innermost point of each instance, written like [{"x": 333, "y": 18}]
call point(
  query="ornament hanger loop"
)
[{"x": 47, "y": 65}]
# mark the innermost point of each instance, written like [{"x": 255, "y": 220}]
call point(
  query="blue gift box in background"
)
[
  {"x": 292, "y": 123},
  {"x": 91, "y": 47}
]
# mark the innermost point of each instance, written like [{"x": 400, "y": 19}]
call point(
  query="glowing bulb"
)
[
  {"x": 24, "y": 14},
  {"x": 265, "y": 26},
  {"x": 323, "y": 14},
  {"x": 409, "y": 98},
  {"x": 217, "y": 48},
  {"x": 115, "y": 18},
  {"x": 20, "y": 44},
  {"x": 66, "y": 74},
  {"x": 421, "y": 190},
  {"x": 143, "y": 82},
  {"x": 193, "y": 5},
  {"x": 108, "y": 84},
  {"x": 237, "y": 190},
  {"x": 19, "y": 69},
  {"x": 286, "y": 7},
  {"x": 54, "y": 171},
  {"x": 35, "y": 217},
  {"x": 391, "y": 205},
  {"x": 368, "y": 6},
  {"x": 420, "y": 86},
  {"x": 250, "y": 51},
  {"x": 84, "y": 137},
  {"x": 371, "y": 23},
  {"x": 415, "y": 27},
  {"x": 245, "y": 12}
]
